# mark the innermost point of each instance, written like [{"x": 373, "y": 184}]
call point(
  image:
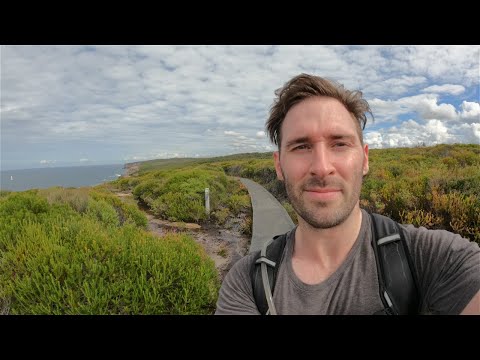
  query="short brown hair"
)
[{"x": 304, "y": 86}]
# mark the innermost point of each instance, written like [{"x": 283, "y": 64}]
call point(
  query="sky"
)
[{"x": 93, "y": 105}]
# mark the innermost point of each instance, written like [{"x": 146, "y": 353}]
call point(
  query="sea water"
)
[{"x": 78, "y": 176}]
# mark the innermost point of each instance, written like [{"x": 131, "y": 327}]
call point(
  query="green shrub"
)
[
  {"x": 437, "y": 187},
  {"x": 246, "y": 227},
  {"x": 57, "y": 261},
  {"x": 123, "y": 184},
  {"x": 85, "y": 200},
  {"x": 103, "y": 212},
  {"x": 238, "y": 203},
  {"x": 4, "y": 193},
  {"x": 221, "y": 215},
  {"x": 420, "y": 218},
  {"x": 180, "y": 207},
  {"x": 126, "y": 212},
  {"x": 179, "y": 195}
]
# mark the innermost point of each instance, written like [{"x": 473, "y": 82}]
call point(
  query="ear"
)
[
  {"x": 365, "y": 160},
  {"x": 278, "y": 168}
]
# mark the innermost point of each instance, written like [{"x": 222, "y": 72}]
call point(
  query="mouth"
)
[{"x": 323, "y": 194}]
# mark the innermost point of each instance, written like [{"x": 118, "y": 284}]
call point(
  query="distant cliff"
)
[{"x": 131, "y": 169}]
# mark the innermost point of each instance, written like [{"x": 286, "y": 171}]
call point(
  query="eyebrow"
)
[
  {"x": 343, "y": 137},
  {"x": 307, "y": 139}
]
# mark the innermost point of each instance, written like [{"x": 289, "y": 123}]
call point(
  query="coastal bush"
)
[
  {"x": 4, "y": 193},
  {"x": 179, "y": 207},
  {"x": 221, "y": 215},
  {"x": 97, "y": 202},
  {"x": 122, "y": 184},
  {"x": 103, "y": 212},
  {"x": 437, "y": 187},
  {"x": 147, "y": 190},
  {"x": 246, "y": 226},
  {"x": 126, "y": 212},
  {"x": 56, "y": 260},
  {"x": 238, "y": 203},
  {"x": 420, "y": 218},
  {"x": 179, "y": 195}
]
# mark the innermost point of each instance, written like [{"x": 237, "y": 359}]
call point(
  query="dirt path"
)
[{"x": 225, "y": 245}]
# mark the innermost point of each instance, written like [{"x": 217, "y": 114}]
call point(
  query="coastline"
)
[{"x": 131, "y": 169}]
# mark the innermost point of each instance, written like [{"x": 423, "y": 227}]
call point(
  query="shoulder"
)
[
  {"x": 236, "y": 294},
  {"x": 240, "y": 271},
  {"x": 435, "y": 249},
  {"x": 438, "y": 239}
]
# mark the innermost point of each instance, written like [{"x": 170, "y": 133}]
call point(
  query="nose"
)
[{"x": 322, "y": 161}]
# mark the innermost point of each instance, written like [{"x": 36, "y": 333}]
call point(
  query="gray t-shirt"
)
[{"x": 447, "y": 267}]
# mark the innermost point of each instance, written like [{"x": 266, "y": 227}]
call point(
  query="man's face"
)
[{"x": 322, "y": 161}]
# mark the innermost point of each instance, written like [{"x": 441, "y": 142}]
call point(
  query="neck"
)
[{"x": 324, "y": 249}]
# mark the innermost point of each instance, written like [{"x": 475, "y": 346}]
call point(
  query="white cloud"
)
[
  {"x": 394, "y": 86},
  {"x": 470, "y": 111},
  {"x": 437, "y": 132},
  {"x": 83, "y": 160},
  {"x": 125, "y": 101},
  {"x": 410, "y": 133},
  {"x": 457, "y": 63},
  {"x": 425, "y": 105},
  {"x": 374, "y": 139},
  {"x": 231, "y": 133},
  {"x": 429, "y": 109},
  {"x": 157, "y": 155},
  {"x": 446, "y": 88},
  {"x": 469, "y": 133}
]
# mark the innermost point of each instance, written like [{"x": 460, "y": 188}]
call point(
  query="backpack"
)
[{"x": 398, "y": 288}]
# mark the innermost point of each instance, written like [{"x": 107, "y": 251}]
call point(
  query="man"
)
[{"x": 328, "y": 264}]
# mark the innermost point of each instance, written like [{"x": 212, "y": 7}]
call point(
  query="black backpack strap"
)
[
  {"x": 264, "y": 273},
  {"x": 396, "y": 275}
]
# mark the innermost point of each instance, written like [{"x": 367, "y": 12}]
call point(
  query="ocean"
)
[{"x": 78, "y": 176}]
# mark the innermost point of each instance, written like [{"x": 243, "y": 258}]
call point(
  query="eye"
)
[
  {"x": 302, "y": 147},
  {"x": 340, "y": 144}
]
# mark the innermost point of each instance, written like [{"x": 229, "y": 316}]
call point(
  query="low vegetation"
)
[
  {"x": 86, "y": 251},
  {"x": 436, "y": 187},
  {"x": 179, "y": 194},
  {"x": 81, "y": 251}
]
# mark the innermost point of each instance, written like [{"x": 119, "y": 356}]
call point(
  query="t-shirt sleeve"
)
[
  {"x": 236, "y": 295},
  {"x": 448, "y": 269}
]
